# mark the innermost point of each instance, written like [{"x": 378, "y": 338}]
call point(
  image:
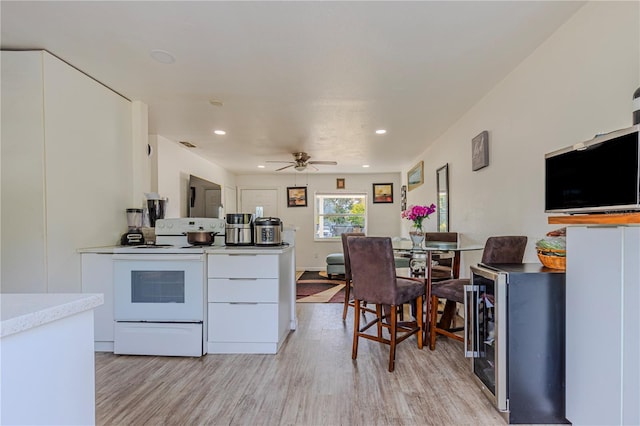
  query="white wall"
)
[
  {"x": 171, "y": 166},
  {"x": 578, "y": 83},
  {"x": 383, "y": 219}
]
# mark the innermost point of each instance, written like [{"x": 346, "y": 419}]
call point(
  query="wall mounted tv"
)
[
  {"x": 598, "y": 176},
  {"x": 205, "y": 198}
]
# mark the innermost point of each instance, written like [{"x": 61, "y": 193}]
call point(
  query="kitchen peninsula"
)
[
  {"x": 48, "y": 374},
  {"x": 247, "y": 292}
]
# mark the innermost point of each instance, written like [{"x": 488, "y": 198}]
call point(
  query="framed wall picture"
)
[
  {"x": 383, "y": 193},
  {"x": 415, "y": 176},
  {"x": 340, "y": 183},
  {"x": 297, "y": 196},
  {"x": 480, "y": 151},
  {"x": 403, "y": 197}
]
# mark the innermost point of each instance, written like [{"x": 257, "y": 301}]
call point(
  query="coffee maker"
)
[{"x": 133, "y": 236}]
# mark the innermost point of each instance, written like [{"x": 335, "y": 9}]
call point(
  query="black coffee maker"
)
[{"x": 133, "y": 236}]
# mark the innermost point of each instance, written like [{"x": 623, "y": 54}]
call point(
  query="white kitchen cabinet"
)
[
  {"x": 249, "y": 295},
  {"x": 67, "y": 144},
  {"x": 97, "y": 277},
  {"x": 603, "y": 325}
]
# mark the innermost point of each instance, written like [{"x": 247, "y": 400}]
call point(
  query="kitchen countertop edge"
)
[
  {"x": 248, "y": 250},
  {"x": 22, "y": 311}
]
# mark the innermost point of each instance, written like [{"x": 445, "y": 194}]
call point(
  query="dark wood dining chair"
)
[
  {"x": 347, "y": 272},
  {"x": 506, "y": 249},
  {"x": 374, "y": 278},
  {"x": 445, "y": 268}
]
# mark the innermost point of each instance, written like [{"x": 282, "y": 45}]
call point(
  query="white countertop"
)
[{"x": 21, "y": 312}]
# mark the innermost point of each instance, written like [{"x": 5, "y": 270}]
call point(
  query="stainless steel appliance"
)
[
  {"x": 267, "y": 231},
  {"x": 239, "y": 229},
  {"x": 515, "y": 336},
  {"x": 134, "y": 235},
  {"x": 156, "y": 207},
  {"x": 160, "y": 292}
]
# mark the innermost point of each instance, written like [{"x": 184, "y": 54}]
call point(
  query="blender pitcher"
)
[{"x": 133, "y": 236}]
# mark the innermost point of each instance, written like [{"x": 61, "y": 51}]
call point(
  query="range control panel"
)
[{"x": 182, "y": 225}]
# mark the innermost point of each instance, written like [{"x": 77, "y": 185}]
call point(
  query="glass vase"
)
[{"x": 417, "y": 237}]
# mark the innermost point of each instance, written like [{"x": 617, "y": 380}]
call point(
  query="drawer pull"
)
[
  {"x": 242, "y": 279},
  {"x": 241, "y": 254},
  {"x": 243, "y": 303}
]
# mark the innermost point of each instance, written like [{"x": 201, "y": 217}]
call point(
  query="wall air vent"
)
[{"x": 188, "y": 144}]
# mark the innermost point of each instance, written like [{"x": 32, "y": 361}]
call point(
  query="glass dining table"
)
[{"x": 423, "y": 262}]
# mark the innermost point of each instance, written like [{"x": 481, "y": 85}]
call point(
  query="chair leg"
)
[
  {"x": 347, "y": 291},
  {"x": 356, "y": 328},
  {"x": 392, "y": 340},
  {"x": 380, "y": 315},
  {"x": 449, "y": 312},
  {"x": 432, "y": 322},
  {"x": 418, "y": 315}
]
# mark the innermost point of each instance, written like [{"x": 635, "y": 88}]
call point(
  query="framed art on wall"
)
[
  {"x": 415, "y": 176},
  {"x": 297, "y": 196},
  {"x": 340, "y": 183},
  {"x": 480, "y": 151},
  {"x": 383, "y": 193}
]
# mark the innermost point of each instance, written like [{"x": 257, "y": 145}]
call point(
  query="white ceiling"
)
[{"x": 319, "y": 77}]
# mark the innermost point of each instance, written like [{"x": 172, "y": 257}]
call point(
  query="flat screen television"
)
[
  {"x": 598, "y": 176},
  {"x": 205, "y": 198}
]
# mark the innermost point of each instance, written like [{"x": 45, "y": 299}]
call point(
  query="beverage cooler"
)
[{"x": 515, "y": 336}]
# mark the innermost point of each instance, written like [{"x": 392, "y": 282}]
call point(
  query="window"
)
[{"x": 336, "y": 214}]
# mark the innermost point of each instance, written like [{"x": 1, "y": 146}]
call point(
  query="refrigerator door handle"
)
[{"x": 470, "y": 300}]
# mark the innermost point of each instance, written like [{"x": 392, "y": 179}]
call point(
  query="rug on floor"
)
[{"x": 316, "y": 287}]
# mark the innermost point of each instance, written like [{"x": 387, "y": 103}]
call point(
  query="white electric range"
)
[{"x": 160, "y": 291}]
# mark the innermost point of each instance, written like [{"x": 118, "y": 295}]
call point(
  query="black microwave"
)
[{"x": 601, "y": 175}]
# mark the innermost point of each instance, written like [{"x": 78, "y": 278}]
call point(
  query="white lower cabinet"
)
[
  {"x": 249, "y": 302},
  {"x": 97, "y": 277}
]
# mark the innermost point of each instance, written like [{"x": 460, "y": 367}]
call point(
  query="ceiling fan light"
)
[{"x": 300, "y": 167}]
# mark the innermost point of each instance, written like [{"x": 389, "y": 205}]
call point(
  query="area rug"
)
[{"x": 316, "y": 287}]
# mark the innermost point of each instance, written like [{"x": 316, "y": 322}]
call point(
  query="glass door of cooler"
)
[{"x": 485, "y": 331}]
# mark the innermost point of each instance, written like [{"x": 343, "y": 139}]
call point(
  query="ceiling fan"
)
[{"x": 300, "y": 162}]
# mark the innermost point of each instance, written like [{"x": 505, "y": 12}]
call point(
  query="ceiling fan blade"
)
[
  {"x": 285, "y": 167},
  {"x": 328, "y": 163},
  {"x": 282, "y": 162}
]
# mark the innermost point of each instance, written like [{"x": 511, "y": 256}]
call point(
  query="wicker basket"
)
[{"x": 553, "y": 262}]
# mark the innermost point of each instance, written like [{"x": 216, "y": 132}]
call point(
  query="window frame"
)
[{"x": 317, "y": 216}]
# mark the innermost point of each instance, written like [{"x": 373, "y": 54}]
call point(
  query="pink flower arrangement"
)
[{"x": 416, "y": 214}]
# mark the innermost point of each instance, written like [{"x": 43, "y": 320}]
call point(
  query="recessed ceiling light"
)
[
  {"x": 365, "y": 165},
  {"x": 260, "y": 166},
  {"x": 162, "y": 56},
  {"x": 381, "y": 131},
  {"x": 220, "y": 132}
]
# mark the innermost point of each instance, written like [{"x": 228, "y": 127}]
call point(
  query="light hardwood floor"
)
[{"x": 311, "y": 381}]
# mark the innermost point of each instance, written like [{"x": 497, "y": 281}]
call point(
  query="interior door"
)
[{"x": 267, "y": 198}]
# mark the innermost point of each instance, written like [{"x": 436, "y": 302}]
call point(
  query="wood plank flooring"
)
[{"x": 311, "y": 381}]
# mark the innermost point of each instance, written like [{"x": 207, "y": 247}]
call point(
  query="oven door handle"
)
[
  {"x": 158, "y": 257},
  {"x": 470, "y": 301}
]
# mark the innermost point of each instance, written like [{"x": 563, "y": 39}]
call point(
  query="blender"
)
[{"x": 133, "y": 236}]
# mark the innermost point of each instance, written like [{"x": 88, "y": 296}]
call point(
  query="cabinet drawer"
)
[
  {"x": 243, "y": 266},
  {"x": 243, "y": 322},
  {"x": 243, "y": 290}
]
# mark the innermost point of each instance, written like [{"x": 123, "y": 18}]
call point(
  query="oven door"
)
[
  {"x": 159, "y": 288},
  {"x": 486, "y": 331}
]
